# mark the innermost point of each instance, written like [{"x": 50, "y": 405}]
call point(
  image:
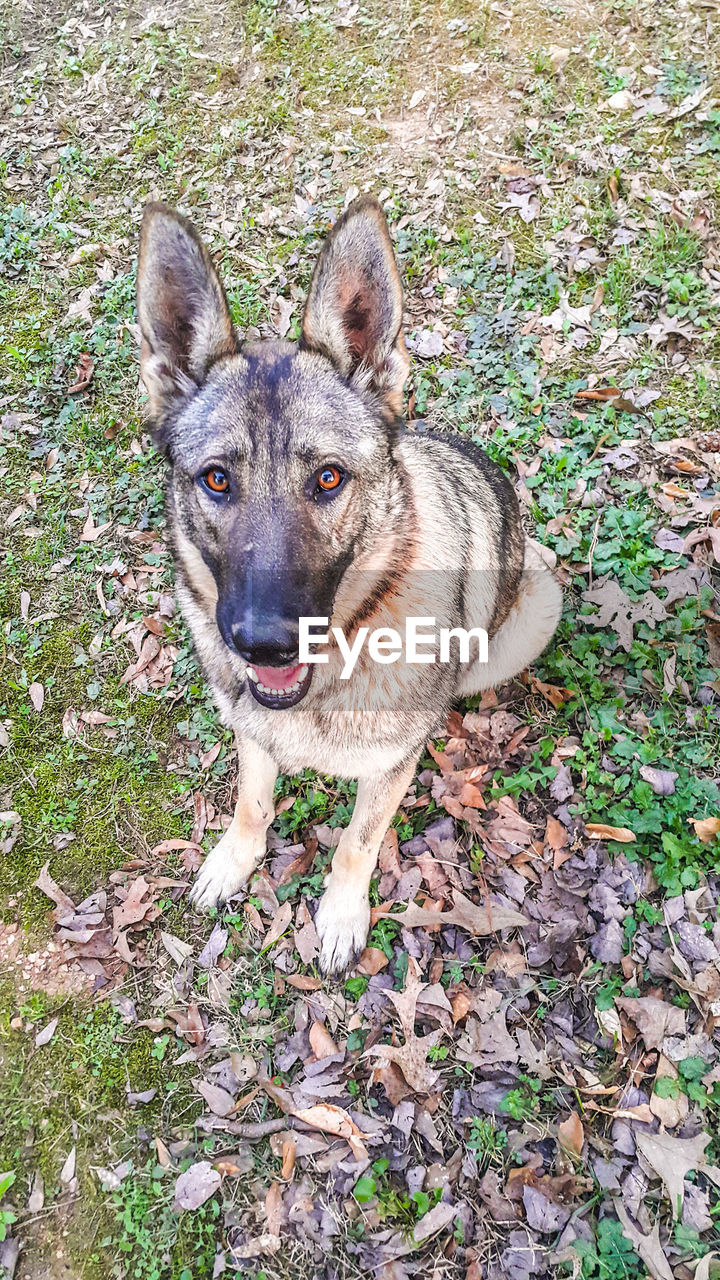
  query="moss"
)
[{"x": 62, "y": 1095}]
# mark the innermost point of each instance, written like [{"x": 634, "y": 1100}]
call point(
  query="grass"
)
[{"x": 248, "y": 116}]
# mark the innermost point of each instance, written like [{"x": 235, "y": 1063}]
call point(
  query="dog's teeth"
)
[{"x": 277, "y": 693}]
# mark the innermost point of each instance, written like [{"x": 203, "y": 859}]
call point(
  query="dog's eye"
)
[
  {"x": 216, "y": 480},
  {"x": 330, "y": 478}
]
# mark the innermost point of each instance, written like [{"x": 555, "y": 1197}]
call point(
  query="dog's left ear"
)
[
  {"x": 353, "y": 314},
  {"x": 184, "y": 316}
]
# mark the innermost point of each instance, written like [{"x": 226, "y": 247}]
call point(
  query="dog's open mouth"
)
[{"x": 279, "y": 687}]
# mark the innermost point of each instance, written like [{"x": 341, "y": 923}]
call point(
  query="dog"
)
[{"x": 294, "y": 493}]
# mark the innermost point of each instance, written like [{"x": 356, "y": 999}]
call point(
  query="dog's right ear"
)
[
  {"x": 184, "y": 316},
  {"x": 353, "y": 314}
]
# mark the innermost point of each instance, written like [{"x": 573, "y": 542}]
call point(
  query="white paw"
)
[
  {"x": 225, "y": 871},
  {"x": 342, "y": 921}
]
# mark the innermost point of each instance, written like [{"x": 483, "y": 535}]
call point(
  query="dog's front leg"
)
[
  {"x": 230, "y": 864},
  {"x": 343, "y": 916}
]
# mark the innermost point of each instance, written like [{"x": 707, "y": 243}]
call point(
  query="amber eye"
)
[
  {"x": 216, "y": 480},
  {"x": 330, "y": 478}
]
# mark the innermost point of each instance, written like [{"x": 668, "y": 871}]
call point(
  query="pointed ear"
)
[
  {"x": 353, "y": 314},
  {"x": 183, "y": 313}
]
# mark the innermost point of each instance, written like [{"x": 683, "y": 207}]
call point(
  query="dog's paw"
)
[
  {"x": 225, "y": 871},
  {"x": 342, "y": 922}
]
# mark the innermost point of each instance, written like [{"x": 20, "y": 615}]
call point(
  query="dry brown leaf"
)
[
  {"x": 83, "y": 374},
  {"x": 572, "y": 1135},
  {"x": 372, "y": 960},
  {"x": 555, "y": 834},
  {"x": 330, "y": 1119},
  {"x": 706, "y": 828},
  {"x": 188, "y": 1023},
  {"x": 465, "y": 914},
  {"x": 303, "y": 982},
  {"x": 461, "y": 1003},
  {"x": 673, "y": 1159},
  {"x": 289, "y": 1147},
  {"x": 321, "y": 1042},
  {"x": 623, "y": 835},
  {"x": 36, "y": 694},
  {"x": 47, "y": 885},
  {"x": 169, "y": 846},
  {"x": 229, "y": 1169},
  {"x": 300, "y": 864},
  {"x": 506, "y": 959},
  {"x": 410, "y": 1057},
  {"x": 654, "y": 1019},
  {"x": 702, "y": 1270},
  {"x": 435, "y": 1220},
  {"x": 246, "y": 1099},
  {"x": 274, "y": 1211},
  {"x": 281, "y": 920},
  {"x": 219, "y": 1100},
  {"x": 599, "y": 393},
  {"x": 136, "y": 906},
  {"x": 617, "y": 610},
  {"x": 196, "y": 1185},
  {"x": 555, "y": 694},
  {"x": 91, "y": 531}
]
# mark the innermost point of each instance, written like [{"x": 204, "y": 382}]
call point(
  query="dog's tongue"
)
[{"x": 277, "y": 677}]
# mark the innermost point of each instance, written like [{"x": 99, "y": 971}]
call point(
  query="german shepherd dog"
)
[{"x": 296, "y": 492}]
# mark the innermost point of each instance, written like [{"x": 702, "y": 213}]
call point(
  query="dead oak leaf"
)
[
  {"x": 435, "y": 1220},
  {"x": 654, "y": 1019},
  {"x": 673, "y": 1159},
  {"x": 281, "y": 922},
  {"x": 135, "y": 907},
  {"x": 188, "y": 1023},
  {"x": 410, "y": 1057},
  {"x": 321, "y": 1042},
  {"x": 91, "y": 531},
  {"x": 491, "y": 917},
  {"x": 617, "y": 611},
  {"x": 555, "y": 694}
]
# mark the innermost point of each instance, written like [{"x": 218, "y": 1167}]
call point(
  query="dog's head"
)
[{"x": 281, "y": 455}]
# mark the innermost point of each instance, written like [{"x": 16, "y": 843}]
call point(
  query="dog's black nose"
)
[{"x": 267, "y": 647}]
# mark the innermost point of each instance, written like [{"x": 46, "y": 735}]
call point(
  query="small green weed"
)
[
  {"x": 396, "y": 1207},
  {"x": 488, "y": 1142},
  {"x": 7, "y": 1217},
  {"x": 610, "y": 1256}
]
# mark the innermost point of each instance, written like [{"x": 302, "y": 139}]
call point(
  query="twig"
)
[{"x": 261, "y": 1128}]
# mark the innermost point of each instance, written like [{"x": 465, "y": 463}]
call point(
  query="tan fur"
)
[{"x": 425, "y": 527}]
